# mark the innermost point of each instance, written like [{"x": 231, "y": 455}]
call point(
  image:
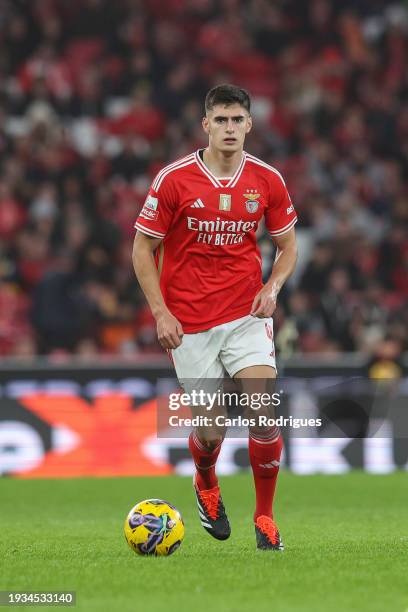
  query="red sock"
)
[
  {"x": 205, "y": 461},
  {"x": 264, "y": 455}
]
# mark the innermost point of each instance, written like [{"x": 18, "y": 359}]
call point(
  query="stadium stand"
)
[{"x": 96, "y": 96}]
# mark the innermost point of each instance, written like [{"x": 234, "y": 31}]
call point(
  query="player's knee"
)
[
  {"x": 212, "y": 443},
  {"x": 262, "y": 432},
  {"x": 210, "y": 440}
]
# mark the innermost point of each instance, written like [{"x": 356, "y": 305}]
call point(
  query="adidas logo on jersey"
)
[{"x": 197, "y": 204}]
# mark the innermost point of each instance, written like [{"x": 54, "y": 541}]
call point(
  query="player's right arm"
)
[
  {"x": 169, "y": 329},
  {"x": 153, "y": 223}
]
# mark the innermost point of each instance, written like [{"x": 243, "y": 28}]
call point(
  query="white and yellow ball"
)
[{"x": 154, "y": 527}]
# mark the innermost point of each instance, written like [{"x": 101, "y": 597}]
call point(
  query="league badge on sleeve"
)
[
  {"x": 151, "y": 202},
  {"x": 149, "y": 210}
]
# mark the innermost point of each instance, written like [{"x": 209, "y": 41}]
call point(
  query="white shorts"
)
[{"x": 225, "y": 348}]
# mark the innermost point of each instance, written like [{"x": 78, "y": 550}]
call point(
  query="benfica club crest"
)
[{"x": 251, "y": 200}]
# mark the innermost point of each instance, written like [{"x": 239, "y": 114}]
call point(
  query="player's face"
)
[{"x": 227, "y": 126}]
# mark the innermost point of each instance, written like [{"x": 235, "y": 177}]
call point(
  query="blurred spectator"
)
[
  {"x": 315, "y": 276},
  {"x": 62, "y": 313}
]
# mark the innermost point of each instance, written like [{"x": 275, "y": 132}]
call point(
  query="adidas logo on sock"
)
[
  {"x": 197, "y": 204},
  {"x": 272, "y": 464}
]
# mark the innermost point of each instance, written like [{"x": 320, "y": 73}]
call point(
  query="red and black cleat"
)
[
  {"x": 212, "y": 513},
  {"x": 267, "y": 534}
]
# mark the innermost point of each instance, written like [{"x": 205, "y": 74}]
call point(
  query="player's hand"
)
[
  {"x": 169, "y": 331},
  {"x": 264, "y": 303}
]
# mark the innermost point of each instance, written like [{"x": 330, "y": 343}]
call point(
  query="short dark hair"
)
[{"x": 227, "y": 94}]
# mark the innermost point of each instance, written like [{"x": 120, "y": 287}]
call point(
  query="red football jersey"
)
[{"x": 209, "y": 262}]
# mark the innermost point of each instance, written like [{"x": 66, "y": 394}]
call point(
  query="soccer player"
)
[{"x": 196, "y": 258}]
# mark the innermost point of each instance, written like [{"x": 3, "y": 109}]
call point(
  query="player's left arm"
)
[{"x": 264, "y": 303}]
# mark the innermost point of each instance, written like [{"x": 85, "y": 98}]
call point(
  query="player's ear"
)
[
  {"x": 205, "y": 124},
  {"x": 249, "y": 124}
]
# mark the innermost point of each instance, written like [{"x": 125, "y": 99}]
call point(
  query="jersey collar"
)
[{"x": 214, "y": 180}]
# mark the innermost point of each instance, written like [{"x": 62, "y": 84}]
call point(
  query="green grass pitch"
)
[{"x": 346, "y": 540}]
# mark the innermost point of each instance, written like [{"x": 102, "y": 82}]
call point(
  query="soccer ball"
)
[{"x": 154, "y": 527}]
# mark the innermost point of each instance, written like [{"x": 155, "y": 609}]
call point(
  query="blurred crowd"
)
[{"x": 96, "y": 96}]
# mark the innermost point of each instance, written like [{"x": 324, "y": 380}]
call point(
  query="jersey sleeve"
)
[
  {"x": 157, "y": 213},
  {"x": 280, "y": 214}
]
